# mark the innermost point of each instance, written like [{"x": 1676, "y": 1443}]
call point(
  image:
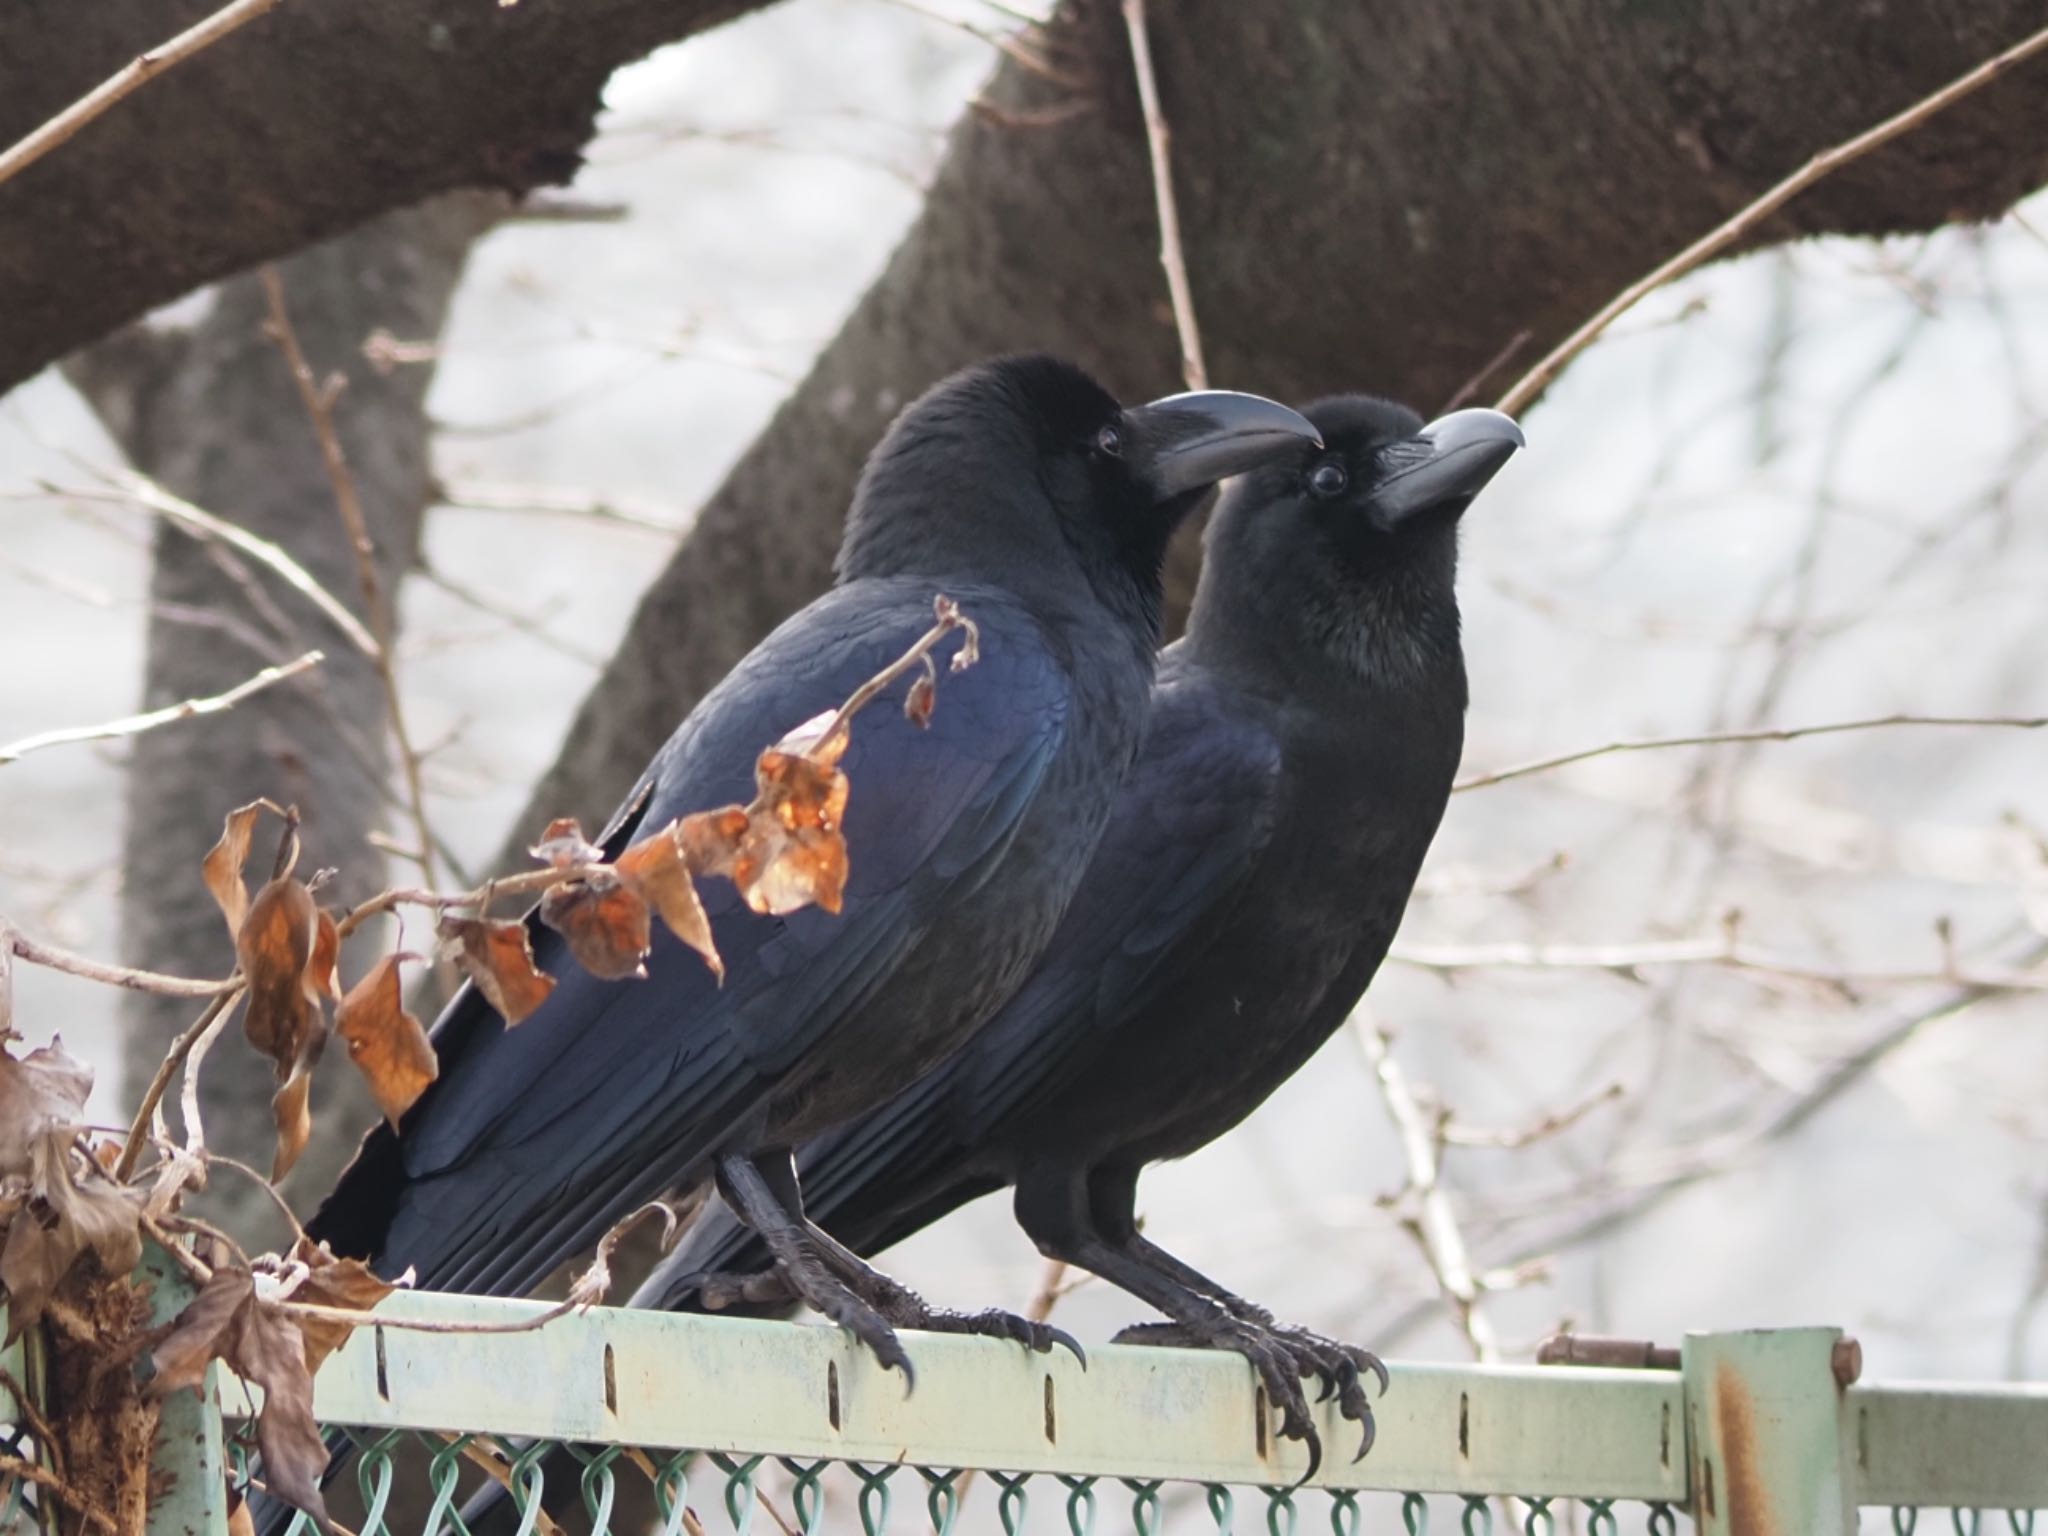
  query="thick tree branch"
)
[
  {"x": 260, "y": 145},
  {"x": 1532, "y": 384}
]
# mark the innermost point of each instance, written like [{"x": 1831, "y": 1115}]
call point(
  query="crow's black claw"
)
[{"x": 1066, "y": 1341}]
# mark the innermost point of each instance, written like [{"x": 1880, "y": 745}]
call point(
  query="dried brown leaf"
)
[
  {"x": 499, "y": 959},
  {"x": 41, "y": 1248},
  {"x": 292, "y": 1108},
  {"x": 322, "y": 971},
  {"x": 106, "y": 1216},
  {"x": 59, "y": 1221},
  {"x": 655, "y": 868},
  {"x": 266, "y": 1348},
  {"x": 275, "y": 946},
  {"x": 605, "y": 922},
  {"x": 563, "y": 845},
  {"x": 200, "y": 1334},
  {"x": 332, "y": 1282},
  {"x": 385, "y": 1042},
  {"x": 228, "y": 1321},
  {"x": 921, "y": 700},
  {"x": 786, "y": 850},
  {"x": 40, "y": 1092},
  {"x": 222, "y": 866},
  {"x": 286, "y": 948}
]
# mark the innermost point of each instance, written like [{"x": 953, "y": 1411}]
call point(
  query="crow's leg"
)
[
  {"x": 1054, "y": 1208},
  {"x": 776, "y": 1214},
  {"x": 904, "y": 1308},
  {"x": 1340, "y": 1367}
]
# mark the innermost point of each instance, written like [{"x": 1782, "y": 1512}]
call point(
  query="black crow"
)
[
  {"x": 1024, "y": 492},
  {"x": 1303, "y": 740}
]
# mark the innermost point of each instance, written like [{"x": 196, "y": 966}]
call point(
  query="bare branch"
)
[
  {"x": 1556, "y": 1123},
  {"x": 1469, "y": 390},
  {"x": 1433, "y": 1224},
  {"x": 131, "y": 489},
  {"x": 135, "y": 725},
  {"x": 1712, "y": 244},
  {"x": 1171, "y": 255},
  {"x": 138, "y": 1128},
  {"x": 1725, "y": 950},
  {"x": 37, "y": 953},
  {"x": 559, "y": 501},
  {"x": 319, "y": 403},
  {"x": 131, "y": 77},
  {"x": 1724, "y": 738}
]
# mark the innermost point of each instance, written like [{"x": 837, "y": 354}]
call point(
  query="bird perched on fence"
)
[
  {"x": 1303, "y": 740},
  {"x": 1024, "y": 492}
]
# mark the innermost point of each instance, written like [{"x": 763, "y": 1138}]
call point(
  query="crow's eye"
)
[
  {"x": 1110, "y": 442},
  {"x": 1328, "y": 479}
]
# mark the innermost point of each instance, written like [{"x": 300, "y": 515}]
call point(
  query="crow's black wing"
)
[
  {"x": 536, "y": 1138},
  {"x": 1184, "y": 834}
]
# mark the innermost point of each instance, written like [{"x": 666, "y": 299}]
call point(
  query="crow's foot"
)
[
  {"x": 904, "y": 1308},
  {"x": 824, "y": 1292},
  {"x": 1283, "y": 1357}
]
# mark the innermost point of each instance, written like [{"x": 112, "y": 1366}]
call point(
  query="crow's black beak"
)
[
  {"x": 1186, "y": 442},
  {"x": 1447, "y": 463}
]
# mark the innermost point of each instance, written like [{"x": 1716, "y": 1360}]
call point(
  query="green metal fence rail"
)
[{"x": 725, "y": 1424}]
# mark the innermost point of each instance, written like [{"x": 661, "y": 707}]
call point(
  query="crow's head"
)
[
  {"x": 1350, "y": 550},
  {"x": 1025, "y": 465}
]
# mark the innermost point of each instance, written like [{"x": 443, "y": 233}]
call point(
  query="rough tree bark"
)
[
  {"x": 302, "y": 125},
  {"x": 213, "y": 414},
  {"x": 1373, "y": 196}
]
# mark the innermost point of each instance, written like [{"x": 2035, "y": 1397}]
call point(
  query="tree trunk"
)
[
  {"x": 213, "y": 414},
  {"x": 1373, "y": 196},
  {"x": 300, "y": 126}
]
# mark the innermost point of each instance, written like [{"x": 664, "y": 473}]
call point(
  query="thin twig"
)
[
  {"x": 1470, "y": 388},
  {"x": 132, "y": 76},
  {"x": 559, "y": 501},
  {"x": 1723, "y": 738},
  {"x": 1433, "y": 1224},
  {"x": 1724, "y": 950},
  {"x": 135, "y": 725},
  {"x": 188, "y": 1094},
  {"x": 523, "y": 623},
  {"x": 35, "y": 952},
  {"x": 15, "y": 1466},
  {"x": 131, "y": 489},
  {"x": 1710, "y": 245},
  {"x": 1556, "y": 1123},
  {"x": 319, "y": 403},
  {"x": 138, "y": 1128},
  {"x": 947, "y": 617},
  {"x": 1172, "y": 255}
]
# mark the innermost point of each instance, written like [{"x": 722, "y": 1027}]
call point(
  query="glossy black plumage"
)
[{"x": 1303, "y": 741}]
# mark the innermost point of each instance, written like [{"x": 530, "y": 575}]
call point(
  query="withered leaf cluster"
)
[
  {"x": 289, "y": 951},
  {"x": 784, "y": 850},
  {"x": 59, "y": 1203}
]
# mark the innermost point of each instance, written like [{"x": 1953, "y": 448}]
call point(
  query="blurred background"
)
[{"x": 1747, "y": 1033}]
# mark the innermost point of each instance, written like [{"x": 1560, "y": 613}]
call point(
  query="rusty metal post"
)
[{"x": 1766, "y": 1432}]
